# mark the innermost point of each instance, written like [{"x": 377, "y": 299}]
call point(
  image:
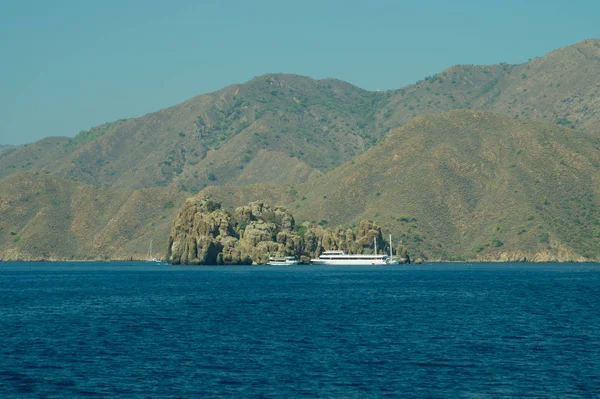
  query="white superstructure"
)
[
  {"x": 341, "y": 258},
  {"x": 285, "y": 261}
]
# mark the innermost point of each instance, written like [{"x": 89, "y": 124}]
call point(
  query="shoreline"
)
[{"x": 300, "y": 264}]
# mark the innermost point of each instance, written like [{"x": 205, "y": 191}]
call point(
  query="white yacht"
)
[
  {"x": 341, "y": 258},
  {"x": 285, "y": 261}
]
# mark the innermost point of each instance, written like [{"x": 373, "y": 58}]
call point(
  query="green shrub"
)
[
  {"x": 300, "y": 230},
  {"x": 564, "y": 122}
]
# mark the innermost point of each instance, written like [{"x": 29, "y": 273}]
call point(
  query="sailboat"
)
[
  {"x": 149, "y": 257},
  {"x": 392, "y": 261}
]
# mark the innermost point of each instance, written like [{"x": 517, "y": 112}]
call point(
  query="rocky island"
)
[{"x": 205, "y": 234}]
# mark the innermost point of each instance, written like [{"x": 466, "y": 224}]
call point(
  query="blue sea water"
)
[{"x": 132, "y": 330}]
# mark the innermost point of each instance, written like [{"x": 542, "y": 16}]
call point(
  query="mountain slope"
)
[
  {"x": 463, "y": 185},
  {"x": 45, "y": 217}
]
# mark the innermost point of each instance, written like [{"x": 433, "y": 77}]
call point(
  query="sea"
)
[{"x": 442, "y": 330}]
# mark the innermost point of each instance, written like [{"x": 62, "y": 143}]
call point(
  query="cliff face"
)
[{"x": 205, "y": 234}]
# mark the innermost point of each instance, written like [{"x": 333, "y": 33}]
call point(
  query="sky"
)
[{"x": 68, "y": 65}]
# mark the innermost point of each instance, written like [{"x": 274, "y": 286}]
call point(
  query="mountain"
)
[
  {"x": 288, "y": 128},
  {"x": 462, "y": 185},
  {"x": 485, "y": 162},
  {"x": 46, "y": 217},
  {"x": 273, "y": 128}
]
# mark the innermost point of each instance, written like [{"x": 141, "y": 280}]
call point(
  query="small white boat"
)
[{"x": 285, "y": 261}]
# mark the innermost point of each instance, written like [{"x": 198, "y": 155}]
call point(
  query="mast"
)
[
  {"x": 375, "y": 241},
  {"x": 391, "y": 251}
]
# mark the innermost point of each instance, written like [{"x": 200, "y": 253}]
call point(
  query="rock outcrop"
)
[
  {"x": 200, "y": 234},
  {"x": 205, "y": 234}
]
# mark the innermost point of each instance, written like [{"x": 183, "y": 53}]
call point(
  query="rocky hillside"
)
[
  {"x": 205, "y": 234},
  {"x": 286, "y": 128},
  {"x": 463, "y": 185},
  {"x": 47, "y": 218}
]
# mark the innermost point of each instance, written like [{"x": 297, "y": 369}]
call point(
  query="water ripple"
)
[{"x": 134, "y": 331}]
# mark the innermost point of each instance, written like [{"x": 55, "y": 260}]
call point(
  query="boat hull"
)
[{"x": 349, "y": 262}]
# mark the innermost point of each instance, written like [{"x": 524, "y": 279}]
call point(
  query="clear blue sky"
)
[{"x": 67, "y": 65}]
